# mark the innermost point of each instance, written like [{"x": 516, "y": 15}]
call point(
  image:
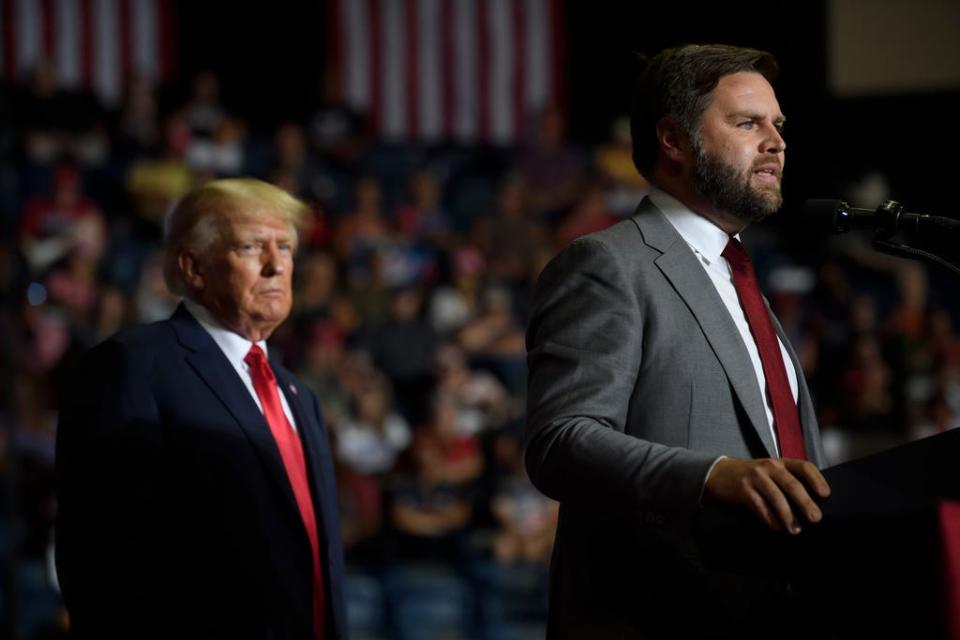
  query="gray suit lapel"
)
[{"x": 680, "y": 267}]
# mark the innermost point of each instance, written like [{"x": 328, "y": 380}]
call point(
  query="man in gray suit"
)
[{"x": 660, "y": 381}]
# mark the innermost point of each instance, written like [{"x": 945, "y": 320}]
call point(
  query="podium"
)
[{"x": 876, "y": 563}]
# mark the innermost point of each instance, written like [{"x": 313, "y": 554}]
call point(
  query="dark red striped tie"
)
[
  {"x": 786, "y": 417},
  {"x": 291, "y": 452}
]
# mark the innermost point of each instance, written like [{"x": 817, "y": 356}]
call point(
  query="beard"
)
[{"x": 730, "y": 190}]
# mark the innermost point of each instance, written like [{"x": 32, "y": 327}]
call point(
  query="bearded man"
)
[{"x": 660, "y": 380}]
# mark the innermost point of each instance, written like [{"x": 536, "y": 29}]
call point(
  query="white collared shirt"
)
[
  {"x": 708, "y": 242},
  {"x": 235, "y": 347}
]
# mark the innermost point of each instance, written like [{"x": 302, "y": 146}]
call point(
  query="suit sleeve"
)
[
  {"x": 107, "y": 477},
  {"x": 585, "y": 347}
]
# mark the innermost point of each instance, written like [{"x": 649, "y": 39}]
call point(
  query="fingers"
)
[
  {"x": 783, "y": 490},
  {"x": 775, "y": 490},
  {"x": 810, "y": 474},
  {"x": 758, "y": 505}
]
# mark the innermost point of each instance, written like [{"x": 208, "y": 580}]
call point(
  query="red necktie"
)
[
  {"x": 291, "y": 452},
  {"x": 786, "y": 417}
]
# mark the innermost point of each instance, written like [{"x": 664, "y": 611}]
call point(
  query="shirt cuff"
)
[{"x": 707, "y": 477}]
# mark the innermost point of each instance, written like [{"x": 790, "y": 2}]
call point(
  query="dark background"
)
[{"x": 272, "y": 58}]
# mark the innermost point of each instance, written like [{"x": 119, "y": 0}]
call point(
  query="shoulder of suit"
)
[
  {"x": 622, "y": 241},
  {"x": 152, "y": 336}
]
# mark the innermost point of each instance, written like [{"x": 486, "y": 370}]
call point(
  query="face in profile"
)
[
  {"x": 739, "y": 152},
  {"x": 247, "y": 284}
]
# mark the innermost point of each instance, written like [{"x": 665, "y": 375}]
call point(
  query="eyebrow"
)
[{"x": 259, "y": 238}]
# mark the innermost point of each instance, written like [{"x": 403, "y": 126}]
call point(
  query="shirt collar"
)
[
  {"x": 703, "y": 236},
  {"x": 233, "y": 345}
]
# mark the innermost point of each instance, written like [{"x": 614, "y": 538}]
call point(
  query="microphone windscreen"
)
[{"x": 825, "y": 215}]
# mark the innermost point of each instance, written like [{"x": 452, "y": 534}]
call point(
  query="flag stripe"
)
[
  {"x": 27, "y": 36},
  {"x": 519, "y": 61},
  {"x": 501, "y": 67},
  {"x": 356, "y": 70},
  {"x": 464, "y": 70},
  {"x": 483, "y": 70},
  {"x": 67, "y": 55},
  {"x": 46, "y": 33},
  {"x": 86, "y": 43},
  {"x": 446, "y": 68},
  {"x": 393, "y": 104},
  {"x": 375, "y": 76},
  {"x": 90, "y": 44},
  {"x": 537, "y": 93},
  {"x": 558, "y": 46},
  {"x": 144, "y": 25},
  {"x": 126, "y": 46},
  {"x": 430, "y": 59},
  {"x": 166, "y": 38},
  {"x": 411, "y": 93},
  {"x": 106, "y": 50}
]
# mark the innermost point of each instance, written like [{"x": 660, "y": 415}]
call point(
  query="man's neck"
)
[{"x": 683, "y": 192}]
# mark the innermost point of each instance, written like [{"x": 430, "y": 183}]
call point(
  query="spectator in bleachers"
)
[
  {"x": 508, "y": 236},
  {"x": 422, "y": 217},
  {"x": 433, "y": 493},
  {"x": 403, "y": 347},
  {"x": 364, "y": 228},
  {"x": 527, "y": 519},
  {"x": 139, "y": 126},
  {"x": 371, "y": 435},
  {"x": 47, "y": 221},
  {"x": 292, "y": 157},
  {"x": 624, "y": 186},
  {"x": 495, "y": 334},
  {"x": 589, "y": 214},
  {"x": 73, "y": 282},
  {"x": 203, "y": 111},
  {"x": 482, "y": 401},
  {"x": 453, "y": 304},
  {"x": 550, "y": 168},
  {"x": 222, "y": 154},
  {"x": 155, "y": 182}
]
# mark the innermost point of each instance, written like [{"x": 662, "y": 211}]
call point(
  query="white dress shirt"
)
[
  {"x": 235, "y": 347},
  {"x": 708, "y": 242}
]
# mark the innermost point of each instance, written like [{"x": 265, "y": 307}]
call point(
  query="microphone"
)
[{"x": 836, "y": 216}]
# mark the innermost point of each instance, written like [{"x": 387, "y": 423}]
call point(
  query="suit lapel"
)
[
  {"x": 316, "y": 453},
  {"x": 212, "y": 366},
  {"x": 680, "y": 267},
  {"x": 310, "y": 432}
]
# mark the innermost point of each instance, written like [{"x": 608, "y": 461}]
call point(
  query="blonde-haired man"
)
[{"x": 195, "y": 484}]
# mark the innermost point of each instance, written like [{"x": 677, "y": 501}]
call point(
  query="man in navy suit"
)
[{"x": 194, "y": 478}]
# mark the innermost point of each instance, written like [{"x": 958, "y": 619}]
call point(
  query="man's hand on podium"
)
[{"x": 771, "y": 488}]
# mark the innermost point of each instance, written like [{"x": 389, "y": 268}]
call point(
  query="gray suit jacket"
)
[{"x": 639, "y": 380}]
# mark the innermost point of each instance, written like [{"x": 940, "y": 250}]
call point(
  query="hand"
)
[{"x": 769, "y": 487}]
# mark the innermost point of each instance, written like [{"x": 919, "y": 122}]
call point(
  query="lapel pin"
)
[{"x": 293, "y": 390}]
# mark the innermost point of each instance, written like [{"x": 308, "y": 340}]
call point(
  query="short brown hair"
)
[
  {"x": 677, "y": 83},
  {"x": 195, "y": 223}
]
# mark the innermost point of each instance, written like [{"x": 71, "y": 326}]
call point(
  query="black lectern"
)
[{"x": 874, "y": 564}]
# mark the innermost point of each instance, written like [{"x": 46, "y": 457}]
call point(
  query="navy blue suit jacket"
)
[{"x": 175, "y": 515}]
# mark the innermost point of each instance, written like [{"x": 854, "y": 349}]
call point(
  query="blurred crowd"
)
[{"x": 412, "y": 288}]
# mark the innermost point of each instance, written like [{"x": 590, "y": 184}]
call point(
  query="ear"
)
[
  {"x": 192, "y": 271},
  {"x": 674, "y": 142}
]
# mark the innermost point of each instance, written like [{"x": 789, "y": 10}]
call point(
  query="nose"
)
[
  {"x": 773, "y": 142},
  {"x": 272, "y": 262}
]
